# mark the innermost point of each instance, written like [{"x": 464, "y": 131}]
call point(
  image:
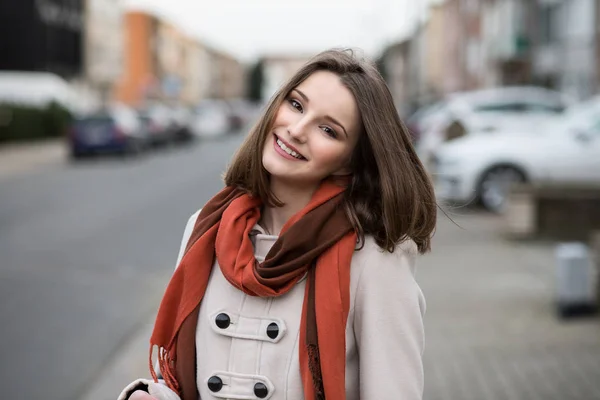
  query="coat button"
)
[
  {"x": 223, "y": 320},
  {"x": 215, "y": 383},
  {"x": 260, "y": 390},
  {"x": 272, "y": 330}
]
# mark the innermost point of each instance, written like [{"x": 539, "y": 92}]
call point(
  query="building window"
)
[{"x": 549, "y": 26}]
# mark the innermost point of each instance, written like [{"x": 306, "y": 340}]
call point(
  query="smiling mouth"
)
[{"x": 287, "y": 149}]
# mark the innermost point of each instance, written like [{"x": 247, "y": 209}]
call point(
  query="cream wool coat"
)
[{"x": 247, "y": 347}]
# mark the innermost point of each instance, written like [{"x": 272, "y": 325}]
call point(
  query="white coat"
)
[{"x": 247, "y": 347}]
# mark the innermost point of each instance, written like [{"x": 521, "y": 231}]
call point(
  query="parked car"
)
[
  {"x": 483, "y": 167},
  {"x": 241, "y": 114},
  {"x": 182, "y": 120},
  {"x": 481, "y": 111},
  {"x": 419, "y": 122},
  {"x": 211, "y": 118},
  {"x": 115, "y": 130},
  {"x": 158, "y": 122}
]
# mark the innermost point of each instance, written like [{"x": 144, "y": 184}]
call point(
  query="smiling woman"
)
[{"x": 285, "y": 274}]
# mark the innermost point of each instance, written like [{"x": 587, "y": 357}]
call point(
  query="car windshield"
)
[{"x": 95, "y": 120}]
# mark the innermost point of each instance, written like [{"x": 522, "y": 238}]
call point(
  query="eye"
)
[
  {"x": 329, "y": 131},
  {"x": 296, "y": 104}
]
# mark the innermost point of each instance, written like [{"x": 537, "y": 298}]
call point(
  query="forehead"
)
[{"x": 328, "y": 96}]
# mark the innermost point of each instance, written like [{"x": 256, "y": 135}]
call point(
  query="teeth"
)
[{"x": 288, "y": 150}]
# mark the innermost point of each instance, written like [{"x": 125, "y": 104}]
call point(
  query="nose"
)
[{"x": 298, "y": 130}]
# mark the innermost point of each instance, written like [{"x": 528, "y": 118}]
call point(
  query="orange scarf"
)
[{"x": 318, "y": 240}]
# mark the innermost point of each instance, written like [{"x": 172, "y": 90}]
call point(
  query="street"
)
[{"x": 87, "y": 249}]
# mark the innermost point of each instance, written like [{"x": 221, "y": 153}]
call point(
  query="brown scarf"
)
[{"x": 318, "y": 240}]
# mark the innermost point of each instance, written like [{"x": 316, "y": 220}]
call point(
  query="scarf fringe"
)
[
  {"x": 314, "y": 366},
  {"x": 166, "y": 364}
]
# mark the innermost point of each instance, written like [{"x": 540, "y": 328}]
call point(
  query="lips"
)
[{"x": 287, "y": 149}]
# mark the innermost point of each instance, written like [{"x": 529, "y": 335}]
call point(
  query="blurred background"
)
[{"x": 117, "y": 119}]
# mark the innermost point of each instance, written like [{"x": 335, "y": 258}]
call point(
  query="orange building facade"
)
[
  {"x": 139, "y": 77},
  {"x": 162, "y": 64}
]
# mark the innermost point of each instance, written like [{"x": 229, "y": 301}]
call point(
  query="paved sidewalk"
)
[
  {"x": 492, "y": 332},
  {"x": 491, "y": 329},
  {"x": 16, "y": 158}
]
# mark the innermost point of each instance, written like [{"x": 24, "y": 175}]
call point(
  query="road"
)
[{"x": 86, "y": 250}]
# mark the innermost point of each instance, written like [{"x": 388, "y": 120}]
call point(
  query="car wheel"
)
[
  {"x": 495, "y": 186},
  {"x": 77, "y": 155}
]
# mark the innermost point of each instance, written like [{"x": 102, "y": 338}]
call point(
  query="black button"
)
[
  {"x": 215, "y": 383},
  {"x": 272, "y": 330},
  {"x": 260, "y": 390},
  {"x": 223, "y": 321}
]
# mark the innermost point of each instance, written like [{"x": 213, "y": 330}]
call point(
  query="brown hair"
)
[{"x": 390, "y": 195}]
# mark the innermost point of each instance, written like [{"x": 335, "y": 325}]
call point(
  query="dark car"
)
[{"x": 117, "y": 130}]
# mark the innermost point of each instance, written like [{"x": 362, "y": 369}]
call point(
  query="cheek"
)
[
  {"x": 283, "y": 116},
  {"x": 331, "y": 155}
]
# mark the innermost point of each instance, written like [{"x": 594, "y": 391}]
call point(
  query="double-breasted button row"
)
[
  {"x": 239, "y": 384},
  {"x": 256, "y": 328}
]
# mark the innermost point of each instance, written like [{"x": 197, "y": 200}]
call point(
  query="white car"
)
[
  {"x": 211, "y": 119},
  {"x": 483, "y": 111},
  {"x": 482, "y": 167}
]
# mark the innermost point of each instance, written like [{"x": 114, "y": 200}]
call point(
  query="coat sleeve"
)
[
  {"x": 388, "y": 325},
  {"x": 160, "y": 390},
  {"x": 187, "y": 233}
]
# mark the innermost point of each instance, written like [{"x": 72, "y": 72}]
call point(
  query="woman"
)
[{"x": 296, "y": 281}]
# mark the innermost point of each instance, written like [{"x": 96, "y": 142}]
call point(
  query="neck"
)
[{"x": 294, "y": 198}]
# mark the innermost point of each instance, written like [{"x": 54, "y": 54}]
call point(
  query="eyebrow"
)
[{"x": 305, "y": 98}]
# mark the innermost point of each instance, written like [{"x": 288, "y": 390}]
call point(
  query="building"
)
[
  {"x": 139, "y": 79},
  {"x": 231, "y": 76},
  {"x": 509, "y": 31},
  {"x": 277, "y": 69},
  {"x": 103, "y": 47},
  {"x": 171, "y": 71},
  {"x": 462, "y": 45},
  {"x": 42, "y": 35},
  {"x": 195, "y": 79},
  {"x": 164, "y": 64},
  {"x": 396, "y": 72},
  {"x": 566, "y": 55},
  {"x": 434, "y": 61}
]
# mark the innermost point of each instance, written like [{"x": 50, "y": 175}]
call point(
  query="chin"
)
[
  {"x": 270, "y": 165},
  {"x": 284, "y": 173}
]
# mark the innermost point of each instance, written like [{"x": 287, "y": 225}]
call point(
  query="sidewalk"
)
[
  {"x": 16, "y": 158},
  {"x": 490, "y": 324},
  {"x": 492, "y": 332}
]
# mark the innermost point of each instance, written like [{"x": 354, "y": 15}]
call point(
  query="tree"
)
[{"x": 256, "y": 79}]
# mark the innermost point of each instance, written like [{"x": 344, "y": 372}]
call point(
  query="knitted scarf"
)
[{"x": 318, "y": 241}]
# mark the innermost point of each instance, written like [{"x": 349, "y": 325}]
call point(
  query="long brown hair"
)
[{"x": 390, "y": 195}]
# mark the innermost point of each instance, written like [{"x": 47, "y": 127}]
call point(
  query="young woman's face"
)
[{"x": 314, "y": 133}]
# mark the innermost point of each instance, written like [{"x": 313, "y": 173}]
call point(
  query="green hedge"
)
[{"x": 19, "y": 122}]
